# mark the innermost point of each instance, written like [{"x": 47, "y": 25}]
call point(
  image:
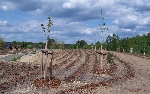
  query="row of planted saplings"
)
[
  {"x": 54, "y": 83},
  {"x": 129, "y": 74}
]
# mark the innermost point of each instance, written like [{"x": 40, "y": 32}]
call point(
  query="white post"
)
[
  {"x": 144, "y": 51},
  {"x": 123, "y": 50},
  {"x": 131, "y": 50},
  {"x": 101, "y": 48},
  {"x": 95, "y": 48}
]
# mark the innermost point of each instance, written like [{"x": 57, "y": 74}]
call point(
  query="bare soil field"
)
[{"x": 76, "y": 72}]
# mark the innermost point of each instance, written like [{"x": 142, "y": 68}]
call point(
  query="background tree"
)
[
  {"x": 62, "y": 45},
  {"x": 140, "y": 44},
  {"x": 112, "y": 42},
  {"x": 41, "y": 45},
  {"x": 81, "y": 43},
  {"x": 54, "y": 45},
  {"x": 1, "y": 43},
  {"x": 51, "y": 43},
  {"x": 98, "y": 45},
  {"x": 91, "y": 46},
  {"x": 72, "y": 46},
  {"x": 86, "y": 46}
]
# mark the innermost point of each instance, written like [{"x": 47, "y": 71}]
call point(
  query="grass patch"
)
[{"x": 16, "y": 58}]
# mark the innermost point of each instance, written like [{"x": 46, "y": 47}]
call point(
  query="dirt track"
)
[{"x": 79, "y": 73}]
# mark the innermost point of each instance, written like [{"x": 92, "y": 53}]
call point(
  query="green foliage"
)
[
  {"x": 49, "y": 24},
  {"x": 14, "y": 59},
  {"x": 14, "y": 42},
  {"x": 102, "y": 24},
  {"x": 86, "y": 46},
  {"x": 140, "y": 44},
  {"x": 51, "y": 42},
  {"x": 72, "y": 46},
  {"x": 24, "y": 44},
  {"x": 112, "y": 42},
  {"x": 81, "y": 43},
  {"x": 30, "y": 46},
  {"x": 1, "y": 43},
  {"x": 62, "y": 45},
  {"x": 98, "y": 45},
  {"x": 110, "y": 58},
  {"x": 40, "y": 45},
  {"x": 54, "y": 45}
]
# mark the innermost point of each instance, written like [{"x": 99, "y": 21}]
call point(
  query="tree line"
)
[
  {"x": 52, "y": 44},
  {"x": 140, "y": 44}
]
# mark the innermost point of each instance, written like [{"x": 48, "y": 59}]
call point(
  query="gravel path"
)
[{"x": 10, "y": 57}]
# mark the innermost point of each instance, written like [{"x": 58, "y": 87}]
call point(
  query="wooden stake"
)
[
  {"x": 45, "y": 70},
  {"x": 42, "y": 64},
  {"x": 50, "y": 68}
]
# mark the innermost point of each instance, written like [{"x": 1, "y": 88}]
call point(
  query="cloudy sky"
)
[{"x": 73, "y": 19}]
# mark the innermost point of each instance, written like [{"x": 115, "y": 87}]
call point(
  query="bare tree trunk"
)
[{"x": 46, "y": 44}]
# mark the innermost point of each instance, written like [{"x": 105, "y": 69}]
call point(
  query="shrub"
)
[{"x": 110, "y": 58}]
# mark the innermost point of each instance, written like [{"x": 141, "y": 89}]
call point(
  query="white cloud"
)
[
  {"x": 4, "y": 7},
  {"x": 36, "y": 12},
  {"x": 68, "y": 5},
  {"x": 116, "y": 21},
  {"x": 3, "y": 23}
]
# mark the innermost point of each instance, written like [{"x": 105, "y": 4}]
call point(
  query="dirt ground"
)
[
  {"x": 136, "y": 85},
  {"x": 77, "y": 72}
]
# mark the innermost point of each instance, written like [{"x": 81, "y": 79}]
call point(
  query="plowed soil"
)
[{"x": 76, "y": 72}]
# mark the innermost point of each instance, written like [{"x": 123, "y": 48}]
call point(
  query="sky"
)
[{"x": 73, "y": 20}]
